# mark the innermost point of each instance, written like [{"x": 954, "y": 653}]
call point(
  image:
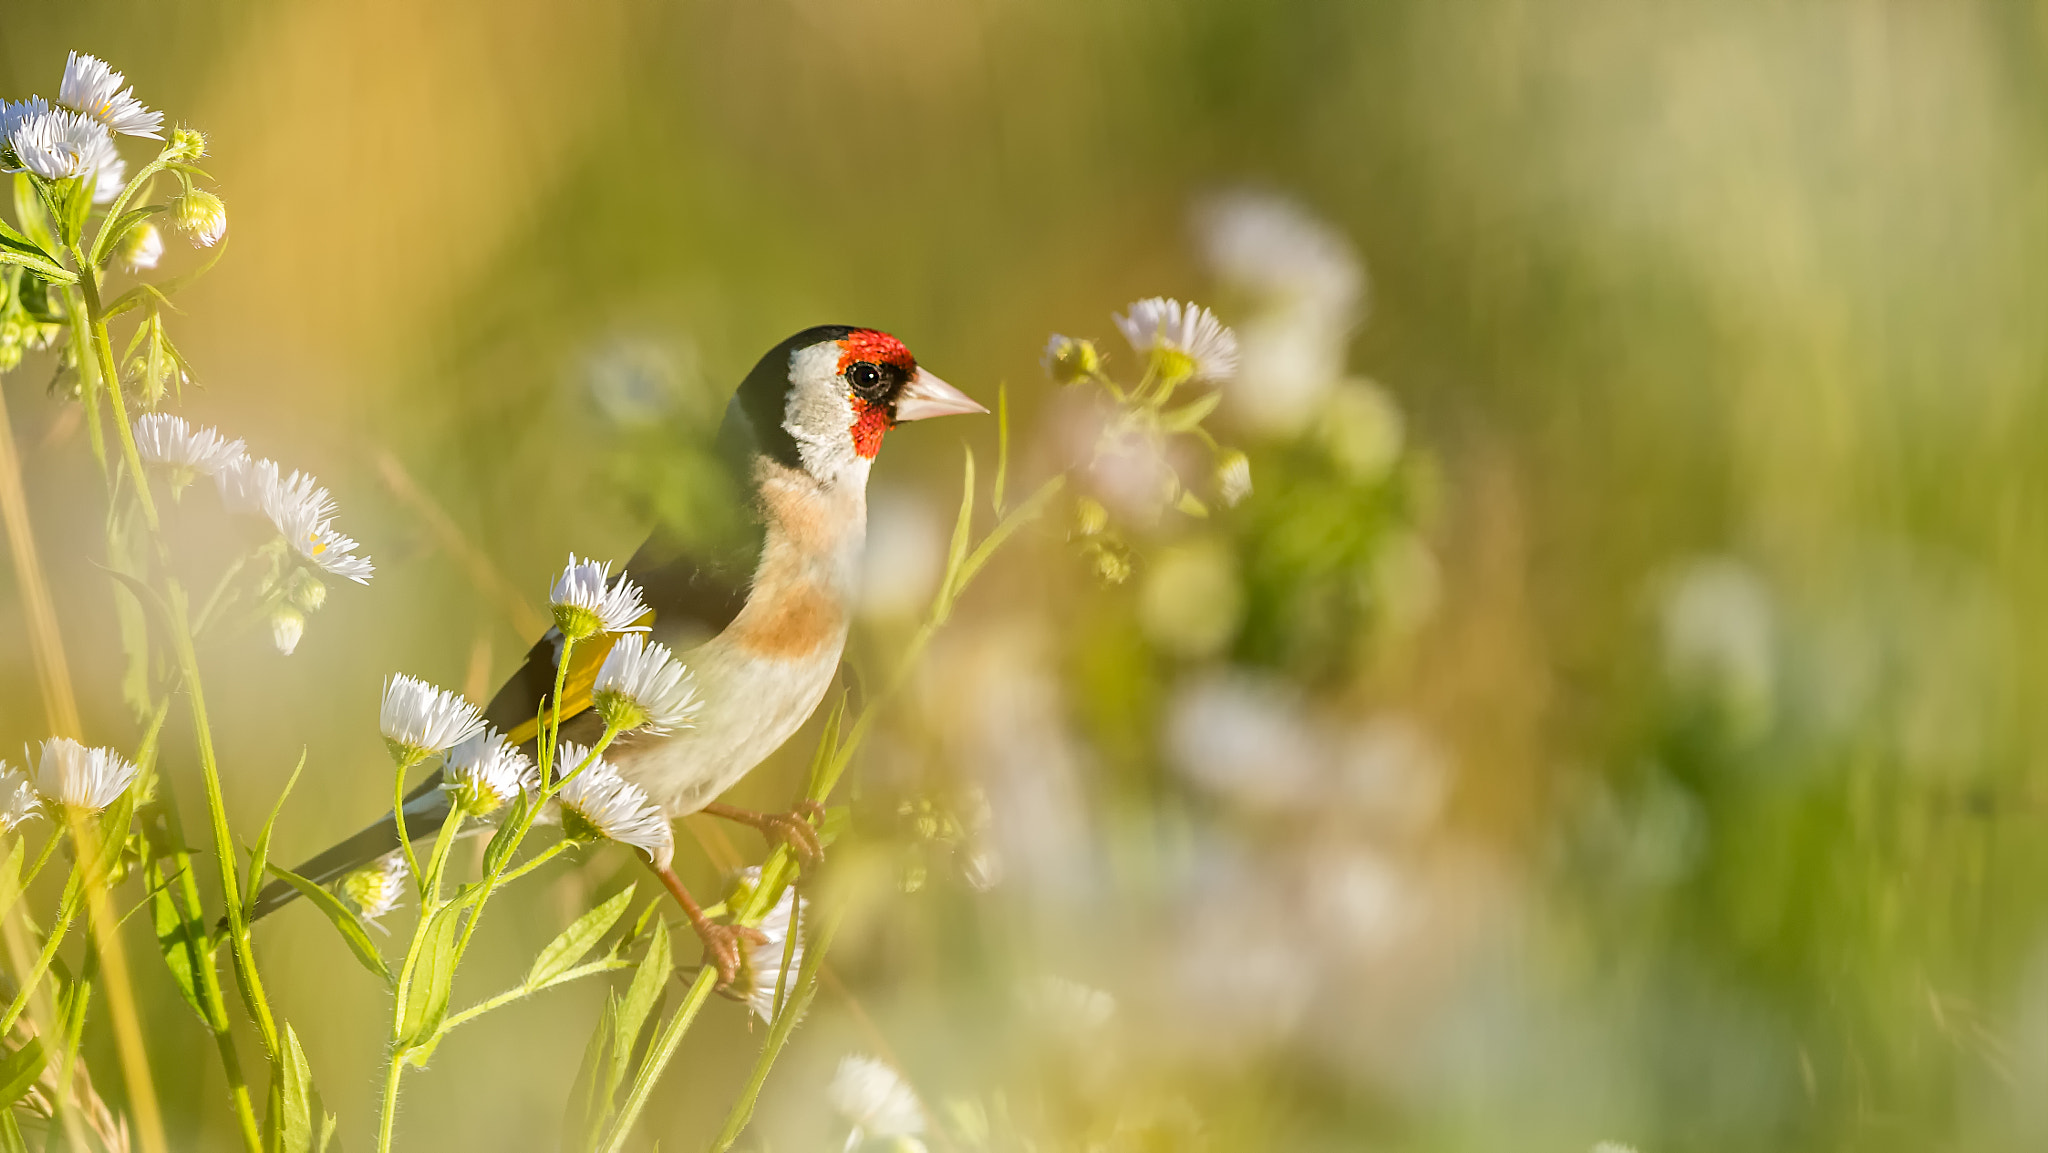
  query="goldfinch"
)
[{"x": 761, "y": 625}]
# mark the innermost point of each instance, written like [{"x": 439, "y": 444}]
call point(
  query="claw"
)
[
  {"x": 792, "y": 828},
  {"x": 722, "y": 947}
]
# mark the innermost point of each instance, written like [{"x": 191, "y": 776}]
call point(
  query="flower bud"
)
[
  {"x": 307, "y": 592},
  {"x": 1233, "y": 476},
  {"x": 201, "y": 216},
  {"x": 186, "y": 144},
  {"x": 1068, "y": 360},
  {"x": 139, "y": 248},
  {"x": 287, "y": 625}
]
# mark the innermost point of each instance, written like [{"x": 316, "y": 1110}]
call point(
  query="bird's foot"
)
[
  {"x": 722, "y": 948},
  {"x": 792, "y": 828},
  {"x": 721, "y": 942}
]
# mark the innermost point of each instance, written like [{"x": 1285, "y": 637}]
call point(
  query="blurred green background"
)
[{"x": 1636, "y": 750}]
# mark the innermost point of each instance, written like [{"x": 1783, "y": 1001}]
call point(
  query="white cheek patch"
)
[{"x": 819, "y": 417}]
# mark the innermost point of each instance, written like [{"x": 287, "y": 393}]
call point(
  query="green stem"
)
[
  {"x": 532, "y": 863},
  {"x": 223, "y": 841},
  {"x": 499, "y": 876},
  {"x": 778, "y": 1034},
  {"x": 388, "y": 1112},
  {"x": 659, "y": 1055},
  {"x": 89, "y": 286},
  {"x": 521, "y": 991},
  {"x": 88, "y": 379},
  {"x": 430, "y": 909},
  {"x": 209, "y": 977},
  {"x": 406, "y": 765},
  {"x": 67, "y": 911},
  {"x": 42, "y": 858}
]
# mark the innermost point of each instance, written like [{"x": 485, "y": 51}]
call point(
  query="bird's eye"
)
[{"x": 866, "y": 379}]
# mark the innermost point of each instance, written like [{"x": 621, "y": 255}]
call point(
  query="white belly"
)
[{"x": 751, "y": 706}]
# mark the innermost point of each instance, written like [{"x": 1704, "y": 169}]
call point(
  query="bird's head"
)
[{"x": 823, "y": 399}]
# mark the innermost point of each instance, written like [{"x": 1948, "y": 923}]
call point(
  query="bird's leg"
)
[
  {"x": 721, "y": 942},
  {"x": 793, "y": 828}
]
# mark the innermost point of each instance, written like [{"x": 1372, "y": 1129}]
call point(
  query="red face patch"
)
[
  {"x": 878, "y": 347},
  {"x": 871, "y": 419}
]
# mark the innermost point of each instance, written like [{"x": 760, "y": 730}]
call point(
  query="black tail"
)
[{"x": 426, "y": 807}]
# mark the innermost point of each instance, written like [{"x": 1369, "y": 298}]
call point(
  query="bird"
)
[{"x": 760, "y": 621}]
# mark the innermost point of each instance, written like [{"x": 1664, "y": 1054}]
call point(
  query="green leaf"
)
[
  {"x": 181, "y": 939},
  {"x": 259, "y": 857},
  {"x": 296, "y": 1125},
  {"x": 10, "y": 1134},
  {"x": 501, "y": 841},
  {"x": 129, "y": 219},
  {"x": 344, "y": 919},
  {"x": 1189, "y": 417},
  {"x": 28, "y": 208},
  {"x": 426, "y": 1002},
  {"x": 328, "y": 1124},
  {"x": 956, "y": 552},
  {"x": 19, "y": 1070},
  {"x": 648, "y": 983},
  {"x": 588, "y": 1114},
  {"x": 569, "y": 947},
  {"x": 113, "y": 834},
  {"x": 49, "y": 270}
]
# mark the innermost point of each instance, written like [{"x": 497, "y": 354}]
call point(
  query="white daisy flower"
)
[
  {"x": 484, "y": 773},
  {"x": 162, "y": 438},
  {"x": 55, "y": 144},
  {"x": 1186, "y": 337},
  {"x": 587, "y": 602},
  {"x": 640, "y": 686},
  {"x": 761, "y": 965},
  {"x": 140, "y": 248},
  {"x": 376, "y": 888},
  {"x": 19, "y": 800},
  {"x": 14, "y": 112},
  {"x": 301, "y": 510},
  {"x": 598, "y": 804},
  {"x": 419, "y": 719},
  {"x": 93, "y": 88},
  {"x": 68, "y": 773},
  {"x": 201, "y": 217},
  {"x": 334, "y": 553},
  {"x": 874, "y": 1100}
]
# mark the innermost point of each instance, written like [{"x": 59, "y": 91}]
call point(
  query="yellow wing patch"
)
[{"x": 585, "y": 658}]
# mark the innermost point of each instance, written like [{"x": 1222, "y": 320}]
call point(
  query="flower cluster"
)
[
  {"x": 1132, "y": 440},
  {"x": 75, "y": 138}
]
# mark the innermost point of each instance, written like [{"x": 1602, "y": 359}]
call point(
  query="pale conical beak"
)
[{"x": 928, "y": 396}]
